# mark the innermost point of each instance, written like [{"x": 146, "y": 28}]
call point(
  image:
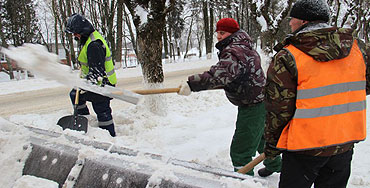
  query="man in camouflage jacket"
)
[
  {"x": 239, "y": 73},
  {"x": 327, "y": 166}
]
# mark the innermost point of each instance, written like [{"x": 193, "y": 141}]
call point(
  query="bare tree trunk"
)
[
  {"x": 189, "y": 36},
  {"x": 266, "y": 11},
  {"x": 366, "y": 30},
  {"x": 132, "y": 35},
  {"x": 355, "y": 25},
  {"x": 4, "y": 44},
  {"x": 65, "y": 11},
  {"x": 242, "y": 15},
  {"x": 335, "y": 18},
  {"x": 165, "y": 43},
  {"x": 228, "y": 7},
  {"x": 150, "y": 49},
  {"x": 94, "y": 11},
  {"x": 364, "y": 15},
  {"x": 118, "y": 56},
  {"x": 53, "y": 7},
  {"x": 125, "y": 51},
  {"x": 107, "y": 14},
  {"x": 81, "y": 7},
  {"x": 200, "y": 39},
  {"x": 211, "y": 28},
  {"x": 172, "y": 47},
  {"x": 207, "y": 29},
  {"x": 149, "y": 40},
  {"x": 178, "y": 50},
  {"x": 10, "y": 67},
  {"x": 172, "y": 50}
]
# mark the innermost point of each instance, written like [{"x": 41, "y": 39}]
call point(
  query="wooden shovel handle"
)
[
  {"x": 157, "y": 91},
  {"x": 77, "y": 97},
  {"x": 252, "y": 164}
]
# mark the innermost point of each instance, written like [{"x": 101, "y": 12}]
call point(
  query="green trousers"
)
[{"x": 248, "y": 138}]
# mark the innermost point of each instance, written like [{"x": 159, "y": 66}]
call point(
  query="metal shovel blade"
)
[{"x": 78, "y": 123}]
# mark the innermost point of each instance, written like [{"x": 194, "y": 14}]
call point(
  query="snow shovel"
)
[
  {"x": 252, "y": 164},
  {"x": 75, "y": 121},
  {"x": 157, "y": 91}
]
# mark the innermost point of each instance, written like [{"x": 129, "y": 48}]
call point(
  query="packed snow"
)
[{"x": 196, "y": 128}]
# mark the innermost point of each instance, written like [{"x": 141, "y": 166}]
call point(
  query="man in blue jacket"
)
[{"x": 96, "y": 66}]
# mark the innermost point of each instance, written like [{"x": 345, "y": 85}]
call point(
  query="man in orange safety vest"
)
[{"x": 316, "y": 99}]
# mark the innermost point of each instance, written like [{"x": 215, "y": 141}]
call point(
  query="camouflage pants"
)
[{"x": 248, "y": 138}]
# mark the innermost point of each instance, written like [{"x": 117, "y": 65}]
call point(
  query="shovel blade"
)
[{"x": 78, "y": 123}]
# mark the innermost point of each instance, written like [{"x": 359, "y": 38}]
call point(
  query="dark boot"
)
[
  {"x": 264, "y": 172},
  {"x": 110, "y": 128}
]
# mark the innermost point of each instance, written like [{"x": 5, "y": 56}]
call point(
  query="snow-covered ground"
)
[{"x": 196, "y": 128}]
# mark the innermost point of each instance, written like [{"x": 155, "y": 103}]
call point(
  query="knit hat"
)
[
  {"x": 311, "y": 10},
  {"x": 228, "y": 25}
]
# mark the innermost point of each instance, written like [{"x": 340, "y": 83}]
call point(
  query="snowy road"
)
[{"x": 54, "y": 99}]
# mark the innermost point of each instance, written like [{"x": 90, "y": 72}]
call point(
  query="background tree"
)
[
  {"x": 3, "y": 39},
  {"x": 264, "y": 20},
  {"x": 190, "y": 30},
  {"x": 102, "y": 13},
  {"x": 165, "y": 44},
  {"x": 176, "y": 24},
  {"x": 21, "y": 22},
  {"x": 352, "y": 14},
  {"x": 120, "y": 35},
  {"x": 270, "y": 15},
  {"x": 149, "y": 20},
  {"x": 19, "y": 25},
  {"x": 208, "y": 25}
]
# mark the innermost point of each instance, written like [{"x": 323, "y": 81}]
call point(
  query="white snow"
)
[
  {"x": 4, "y": 77},
  {"x": 143, "y": 14},
  {"x": 32, "y": 182},
  {"x": 196, "y": 128},
  {"x": 261, "y": 20}
]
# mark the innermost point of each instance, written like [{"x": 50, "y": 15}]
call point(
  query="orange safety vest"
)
[{"x": 330, "y": 103}]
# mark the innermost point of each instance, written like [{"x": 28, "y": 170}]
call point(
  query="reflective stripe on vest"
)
[
  {"x": 330, "y": 104},
  {"x": 109, "y": 67}
]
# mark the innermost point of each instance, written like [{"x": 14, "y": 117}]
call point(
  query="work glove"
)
[
  {"x": 270, "y": 151},
  {"x": 82, "y": 91},
  {"x": 97, "y": 79},
  {"x": 100, "y": 79},
  {"x": 184, "y": 89}
]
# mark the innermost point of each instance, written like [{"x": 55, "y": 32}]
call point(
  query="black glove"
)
[
  {"x": 270, "y": 151},
  {"x": 95, "y": 77}
]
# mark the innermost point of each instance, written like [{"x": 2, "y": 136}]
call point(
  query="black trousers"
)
[
  {"x": 302, "y": 171},
  {"x": 101, "y": 106}
]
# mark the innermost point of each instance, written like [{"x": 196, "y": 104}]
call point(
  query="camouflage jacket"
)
[
  {"x": 319, "y": 41},
  {"x": 238, "y": 71}
]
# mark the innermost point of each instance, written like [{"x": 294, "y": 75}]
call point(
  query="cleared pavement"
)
[{"x": 54, "y": 99}]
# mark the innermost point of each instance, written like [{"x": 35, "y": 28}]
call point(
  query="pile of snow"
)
[
  {"x": 32, "y": 182},
  {"x": 4, "y": 77}
]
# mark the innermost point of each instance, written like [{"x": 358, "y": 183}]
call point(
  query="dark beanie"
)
[
  {"x": 311, "y": 10},
  {"x": 228, "y": 25}
]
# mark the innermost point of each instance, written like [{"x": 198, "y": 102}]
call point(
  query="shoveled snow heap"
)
[{"x": 36, "y": 58}]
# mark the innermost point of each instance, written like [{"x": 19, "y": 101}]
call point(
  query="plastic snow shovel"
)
[
  {"x": 252, "y": 164},
  {"x": 157, "y": 91},
  {"x": 75, "y": 121}
]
